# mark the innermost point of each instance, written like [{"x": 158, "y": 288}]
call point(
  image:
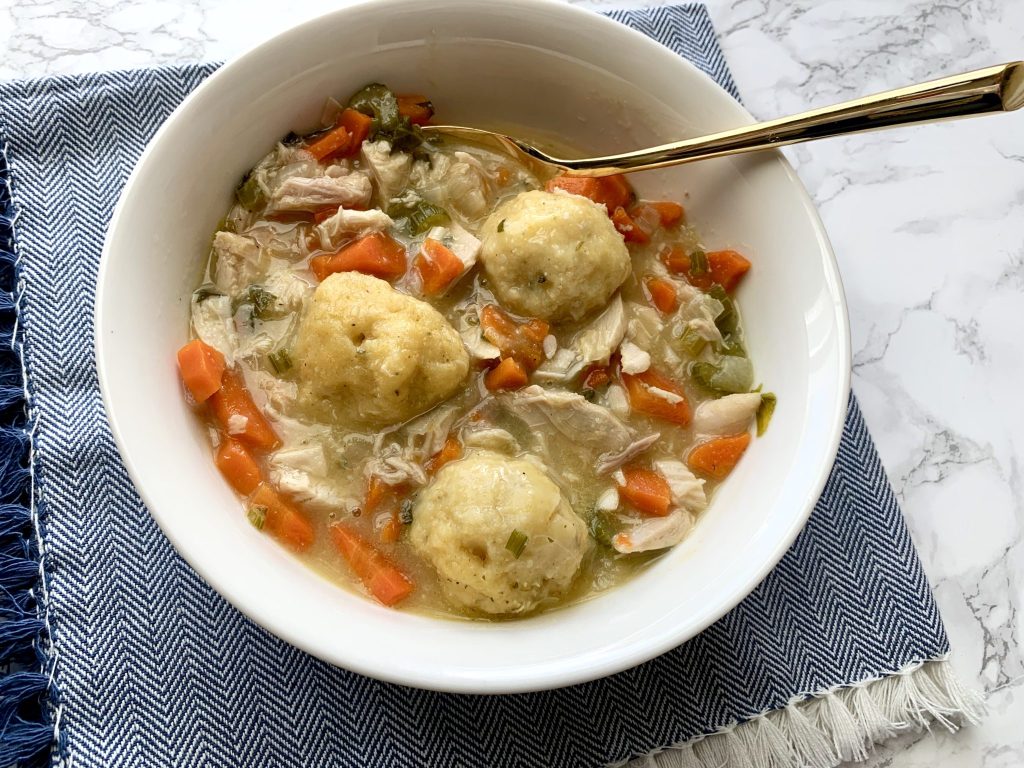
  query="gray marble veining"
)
[{"x": 928, "y": 226}]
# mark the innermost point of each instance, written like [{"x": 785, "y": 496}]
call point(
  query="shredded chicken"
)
[
  {"x": 459, "y": 241},
  {"x": 652, "y": 533},
  {"x": 347, "y": 223},
  {"x": 727, "y": 415},
  {"x": 239, "y": 262},
  {"x": 426, "y": 435},
  {"x": 473, "y": 338},
  {"x": 593, "y": 344},
  {"x": 312, "y": 194},
  {"x": 290, "y": 291},
  {"x": 608, "y": 501},
  {"x": 586, "y": 424},
  {"x": 609, "y": 462},
  {"x": 489, "y": 438},
  {"x": 390, "y": 170},
  {"x": 687, "y": 490},
  {"x": 634, "y": 359},
  {"x": 214, "y": 324}
]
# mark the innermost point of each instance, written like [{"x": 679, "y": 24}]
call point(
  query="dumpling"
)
[
  {"x": 473, "y": 516},
  {"x": 368, "y": 355},
  {"x": 553, "y": 256}
]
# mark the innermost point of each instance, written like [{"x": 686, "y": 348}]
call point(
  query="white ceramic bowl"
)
[{"x": 548, "y": 67}]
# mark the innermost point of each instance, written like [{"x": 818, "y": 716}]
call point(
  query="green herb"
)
[
  {"x": 425, "y": 216},
  {"x": 727, "y": 376},
  {"x": 690, "y": 342},
  {"x": 250, "y": 193},
  {"x": 501, "y": 225},
  {"x": 280, "y": 360},
  {"x": 516, "y": 542},
  {"x": 405, "y": 513},
  {"x": 203, "y": 292},
  {"x": 732, "y": 346},
  {"x": 257, "y": 516},
  {"x": 262, "y": 300},
  {"x": 698, "y": 263},
  {"x": 602, "y": 528},
  {"x": 728, "y": 320},
  {"x": 765, "y": 411}
]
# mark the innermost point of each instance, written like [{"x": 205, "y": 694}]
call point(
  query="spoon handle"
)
[{"x": 993, "y": 89}]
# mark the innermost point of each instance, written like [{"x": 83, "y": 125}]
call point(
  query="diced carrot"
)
[
  {"x": 377, "y": 492},
  {"x": 727, "y": 268},
  {"x": 663, "y": 294},
  {"x": 508, "y": 374},
  {"x": 335, "y": 142},
  {"x": 674, "y": 407},
  {"x": 596, "y": 376},
  {"x": 379, "y": 575},
  {"x": 202, "y": 369},
  {"x": 250, "y": 425},
  {"x": 390, "y": 530},
  {"x": 437, "y": 267},
  {"x": 646, "y": 490},
  {"x": 378, "y": 254},
  {"x": 524, "y": 342},
  {"x": 280, "y": 518},
  {"x": 451, "y": 451},
  {"x": 627, "y": 226},
  {"x": 610, "y": 191},
  {"x": 358, "y": 126},
  {"x": 504, "y": 176},
  {"x": 716, "y": 458},
  {"x": 384, "y": 502},
  {"x": 669, "y": 213},
  {"x": 417, "y": 108},
  {"x": 321, "y": 216},
  {"x": 238, "y": 466}
]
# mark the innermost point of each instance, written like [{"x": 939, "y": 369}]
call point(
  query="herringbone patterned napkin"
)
[{"x": 134, "y": 661}]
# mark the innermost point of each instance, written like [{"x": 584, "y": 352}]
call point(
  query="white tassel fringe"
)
[{"x": 824, "y": 729}]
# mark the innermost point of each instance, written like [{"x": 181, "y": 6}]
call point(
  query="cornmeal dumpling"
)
[
  {"x": 367, "y": 354},
  {"x": 500, "y": 533},
  {"x": 551, "y": 255}
]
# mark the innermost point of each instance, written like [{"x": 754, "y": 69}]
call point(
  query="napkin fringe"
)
[
  {"x": 822, "y": 730},
  {"x": 26, "y": 690}
]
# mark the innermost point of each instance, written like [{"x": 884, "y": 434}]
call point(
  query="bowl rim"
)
[{"x": 638, "y": 651}]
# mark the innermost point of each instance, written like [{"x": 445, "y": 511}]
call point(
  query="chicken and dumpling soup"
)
[{"x": 456, "y": 386}]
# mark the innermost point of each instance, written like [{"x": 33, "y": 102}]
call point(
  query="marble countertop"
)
[{"x": 928, "y": 226}]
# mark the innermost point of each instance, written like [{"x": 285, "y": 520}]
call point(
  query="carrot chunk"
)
[
  {"x": 451, "y": 451},
  {"x": 610, "y": 191},
  {"x": 335, "y": 142},
  {"x": 669, "y": 214},
  {"x": 378, "y": 254},
  {"x": 417, "y": 108},
  {"x": 726, "y": 268},
  {"x": 238, "y": 466},
  {"x": 202, "y": 369},
  {"x": 646, "y": 490},
  {"x": 358, "y": 126},
  {"x": 628, "y": 227},
  {"x": 238, "y": 415},
  {"x": 651, "y": 393},
  {"x": 269, "y": 512},
  {"x": 716, "y": 458},
  {"x": 662, "y": 293},
  {"x": 524, "y": 342},
  {"x": 381, "y": 578},
  {"x": 321, "y": 216},
  {"x": 508, "y": 374},
  {"x": 437, "y": 267},
  {"x": 596, "y": 376}
]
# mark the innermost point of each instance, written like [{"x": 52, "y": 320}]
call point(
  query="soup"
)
[{"x": 458, "y": 386}]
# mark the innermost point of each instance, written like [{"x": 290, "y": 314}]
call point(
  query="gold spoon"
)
[{"x": 993, "y": 89}]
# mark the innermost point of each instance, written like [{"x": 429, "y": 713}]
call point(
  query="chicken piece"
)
[
  {"x": 608, "y": 501},
  {"x": 650, "y": 533},
  {"x": 616, "y": 400},
  {"x": 214, "y": 324},
  {"x": 426, "y": 435},
  {"x": 587, "y": 425},
  {"x": 686, "y": 488},
  {"x": 290, "y": 291},
  {"x": 609, "y": 462},
  {"x": 311, "y": 194},
  {"x": 593, "y": 344},
  {"x": 239, "y": 262},
  {"x": 726, "y": 415},
  {"x": 347, "y": 224},
  {"x": 302, "y": 472},
  {"x": 456, "y": 185},
  {"x": 472, "y": 335},
  {"x": 634, "y": 359},
  {"x": 490, "y": 438},
  {"x": 390, "y": 171},
  {"x": 395, "y": 469}
]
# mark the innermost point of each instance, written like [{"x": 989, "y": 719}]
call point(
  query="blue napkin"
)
[{"x": 122, "y": 656}]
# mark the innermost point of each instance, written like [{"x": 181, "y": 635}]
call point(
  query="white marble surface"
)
[{"x": 928, "y": 225}]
